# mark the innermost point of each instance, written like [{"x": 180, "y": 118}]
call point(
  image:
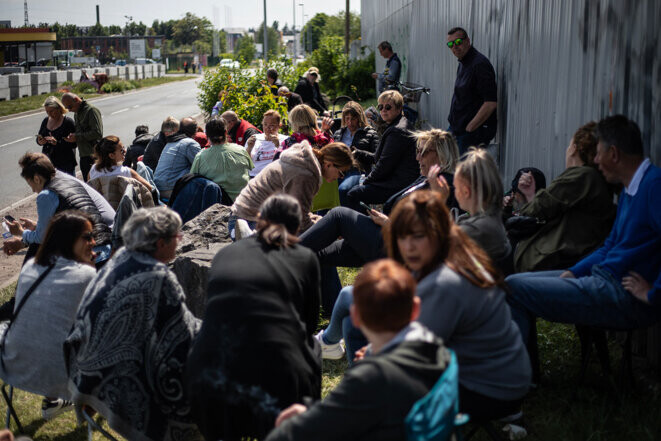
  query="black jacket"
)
[
  {"x": 137, "y": 149},
  {"x": 364, "y": 144},
  {"x": 293, "y": 100},
  {"x": 153, "y": 150},
  {"x": 374, "y": 397},
  {"x": 310, "y": 94},
  {"x": 395, "y": 166},
  {"x": 73, "y": 196}
]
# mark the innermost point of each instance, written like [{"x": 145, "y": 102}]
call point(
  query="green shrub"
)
[
  {"x": 83, "y": 88},
  {"x": 68, "y": 84},
  {"x": 107, "y": 88},
  {"x": 246, "y": 94}
]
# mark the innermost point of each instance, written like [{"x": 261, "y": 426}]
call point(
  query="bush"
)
[
  {"x": 246, "y": 94},
  {"x": 118, "y": 86},
  {"x": 83, "y": 88}
]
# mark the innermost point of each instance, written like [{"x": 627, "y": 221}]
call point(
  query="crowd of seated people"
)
[{"x": 124, "y": 344}]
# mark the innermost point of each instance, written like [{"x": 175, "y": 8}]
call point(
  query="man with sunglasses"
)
[{"x": 473, "y": 110}]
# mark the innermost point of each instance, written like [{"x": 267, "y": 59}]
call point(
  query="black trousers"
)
[{"x": 85, "y": 166}]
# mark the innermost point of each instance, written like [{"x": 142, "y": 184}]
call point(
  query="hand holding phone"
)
[
  {"x": 9, "y": 218},
  {"x": 365, "y": 206}
]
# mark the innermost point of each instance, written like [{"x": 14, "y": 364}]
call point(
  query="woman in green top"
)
[
  {"x": 577, "y": 209},
  {"x": 226, "y": 164}
]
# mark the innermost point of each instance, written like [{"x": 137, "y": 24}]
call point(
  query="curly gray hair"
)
[{"x": 147, "y": 225}]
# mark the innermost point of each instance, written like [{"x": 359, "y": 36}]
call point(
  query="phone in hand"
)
[
  {"x": 9, "y": 218},
  {"x": 365, "y": 206}
]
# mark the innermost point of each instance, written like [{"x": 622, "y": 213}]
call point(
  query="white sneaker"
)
[
  {"x": 52, "y": 408},
  {"x": 333, "y": 351}
]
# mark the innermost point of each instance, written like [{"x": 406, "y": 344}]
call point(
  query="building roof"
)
[{"x": 26, "y": 35}]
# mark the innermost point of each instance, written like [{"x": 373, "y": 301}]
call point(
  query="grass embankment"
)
[
  {"x": 558, "y": 410},
  {"x": 35, "y": 102}
]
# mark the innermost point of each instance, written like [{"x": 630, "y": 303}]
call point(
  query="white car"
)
[{"x": 229, "y": 63}]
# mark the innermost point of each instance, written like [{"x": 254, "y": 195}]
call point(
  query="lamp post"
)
[
  {"x": 302, "y": 5},
  {"x": 294, "y": 29},
  {"x": 128, "y": 20},
  {"x": 265, "y": 46}
]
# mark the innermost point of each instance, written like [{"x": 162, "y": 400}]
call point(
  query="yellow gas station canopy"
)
[{"x": 26, "y": 35}]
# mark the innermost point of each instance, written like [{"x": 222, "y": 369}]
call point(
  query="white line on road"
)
[
  {"x": 119, "y": 111},
  {"x": 14, "y": 142},
  {"x": 136, "y": 106}
]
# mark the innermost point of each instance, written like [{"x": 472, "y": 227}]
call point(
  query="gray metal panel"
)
[{"x": 558, "y": 64}]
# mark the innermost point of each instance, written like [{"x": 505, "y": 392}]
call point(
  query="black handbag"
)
[{"x": 522, "y": 227}]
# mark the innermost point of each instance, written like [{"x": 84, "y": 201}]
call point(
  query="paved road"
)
[{"x": 121, "y": 114}]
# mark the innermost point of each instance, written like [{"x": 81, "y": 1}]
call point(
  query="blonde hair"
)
[
  {"x": 52, "y": 102},
  {"x": 354, "y": 109},
  {"x": 303, "y": 120},
  {"x": 393, "y": 97},
  {"x": 443, "y": 143},
  {"x": 479, "y": 169}
]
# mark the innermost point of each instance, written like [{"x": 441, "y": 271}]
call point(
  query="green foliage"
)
[
  {"x": 245, "y": 50},
  {"x": 339, "y": 74},
  {"x": 83, "y": 88},
  {"x": 192, "y": 28},
  {"x": 118, "y": 86},
  {"x": 335, "y": 25},
  {"x": 246, "y": 94},
  {"x": 322, "y": 25},
  {"x": 273, "y": 39},
  {"x": 313, "y": 31}
]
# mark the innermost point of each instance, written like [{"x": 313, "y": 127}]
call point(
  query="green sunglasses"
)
[{"x": 456, "y": 42}]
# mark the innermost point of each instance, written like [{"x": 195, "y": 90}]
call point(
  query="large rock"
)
[{"x": 204, "y": 236}]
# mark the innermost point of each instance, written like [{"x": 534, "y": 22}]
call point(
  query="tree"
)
[
  {"x": 191, "y": 28},
  {"x": 273, "y": 39},
  {"x": 245, "y": 49},
  {"x": 314, "y": 30},
  {"x": 114, "y": 30},
  {"x": 97, "y": 29},
  {"x": 335, "y": 25}
]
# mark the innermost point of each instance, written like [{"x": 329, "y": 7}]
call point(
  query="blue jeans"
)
[
  {"x": 481, "y": 135},
  {"x": 340, "y": 325},
  {"x": 369, "y": 194},
  {"x": 597, "y": 300},
  {"x": 350, "y": 180}
]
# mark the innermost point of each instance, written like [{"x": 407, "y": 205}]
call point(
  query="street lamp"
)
[
  {"x": 302, "y": 5},
  {"x": 128, "y": 20}
]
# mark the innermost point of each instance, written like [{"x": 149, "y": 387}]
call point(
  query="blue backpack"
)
[{"x": 435, "y": 416}]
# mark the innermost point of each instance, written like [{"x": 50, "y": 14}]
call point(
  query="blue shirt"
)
[
  {"x": 634, "y": 243},
  {"x": 390, "y": 77},
  {"x": 475, "y": 84},
  {"x": 176, "y": 160},
  {"x": 347, "y": 137}
]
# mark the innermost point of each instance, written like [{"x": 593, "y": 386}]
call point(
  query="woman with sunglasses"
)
[
  {"x": 395, "y": 165},
  {"x": 49, "y": 289},
  {"x": 110, "y": 154},
  {"x": 128, "y": 346},
  {"x": 299, "y": 172}
]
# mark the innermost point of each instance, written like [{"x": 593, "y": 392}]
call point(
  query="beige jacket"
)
[
  {"x": 112, "y": 188},
  {"x": 297, "y": 173}
]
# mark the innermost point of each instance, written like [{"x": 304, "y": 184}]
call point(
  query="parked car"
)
[
  {"x": 229, "y": 63},
  {"x": 144, "y": 61},
  {"x": 120, "y": 63}
]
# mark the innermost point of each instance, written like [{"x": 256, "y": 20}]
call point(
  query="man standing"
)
[
  {"x": 89, "y": 129},
  {"x": 389, "y": 79},
  {"x": 238, "y": 130},
  {"x": 473, "y": 110},
  {"x": 618, "y": 285}
]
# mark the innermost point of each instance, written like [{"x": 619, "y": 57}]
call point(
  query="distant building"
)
[
  {"x": 21, "y": 44},
  {"x": 102, "y": 44},
  {"x": 232, "y": 35}
]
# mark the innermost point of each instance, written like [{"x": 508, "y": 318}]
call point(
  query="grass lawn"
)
[
  {"x": 559, "y": 409},
  {"x": 36, "y": 102}
]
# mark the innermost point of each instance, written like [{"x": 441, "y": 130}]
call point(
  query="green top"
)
[
  {"x": 89, "y": 128},
  {"x": 225, "y": 164}
]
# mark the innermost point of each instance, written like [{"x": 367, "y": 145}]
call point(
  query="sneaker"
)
[
  {"x": 52, "y": 408},
  {"x": 333, "y": 351}
]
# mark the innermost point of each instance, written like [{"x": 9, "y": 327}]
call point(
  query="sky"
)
[{"x": 222, "y": 13}]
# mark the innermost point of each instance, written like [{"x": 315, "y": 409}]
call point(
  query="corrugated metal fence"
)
[{"x": 559, "y": 64}]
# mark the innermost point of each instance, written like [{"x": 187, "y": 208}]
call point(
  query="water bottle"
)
[{"x": 5, "y": 231}]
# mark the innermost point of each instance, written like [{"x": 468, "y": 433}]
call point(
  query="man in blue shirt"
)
[
  {"x": 389, "y": 79},
  {"x": 618, "y": 285},
  {"x": 178, "y": 154},
  {"x": 473, "y": 110}
]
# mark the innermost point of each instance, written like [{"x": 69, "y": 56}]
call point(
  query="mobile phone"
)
[
  {"x": 10, "y": 218},
  {"x": 365, "y": 206}
]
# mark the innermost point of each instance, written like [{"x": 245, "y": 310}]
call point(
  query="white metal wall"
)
[{"x": 559, "y": 64}]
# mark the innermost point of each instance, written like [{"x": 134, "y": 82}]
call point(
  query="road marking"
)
[
  {"x": 119, "y": 111},
  {"x": 136, "y": 106},
  {"x": 14, "y": 142},
  {"x": 171, "y": 96}
]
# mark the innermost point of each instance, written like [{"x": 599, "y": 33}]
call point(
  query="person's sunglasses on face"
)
[{"x": 456, "y": 42}]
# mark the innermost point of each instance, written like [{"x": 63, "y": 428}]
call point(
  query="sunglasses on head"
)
[
  {"x": 387, "y": 107},
  {"x": 456, "y": 42}
]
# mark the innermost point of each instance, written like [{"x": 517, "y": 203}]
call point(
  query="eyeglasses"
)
[
  {"x": 456, "y": 42},
  {"x": 381, "y": 107},
  {"x": 340, "y": 172},
  {"x": 87, "y": 237}
]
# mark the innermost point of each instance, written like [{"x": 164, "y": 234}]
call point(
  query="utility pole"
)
[
  {"x": 294, "y": 28},
  {"x": 25, "y": 9},
  {"x": 265, "y": 46},
  {"x": 347, "y": 29},
  {"x": 302, "y": 5}
]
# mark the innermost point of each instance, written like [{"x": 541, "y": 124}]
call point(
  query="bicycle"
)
[{"x": 412, "y": 93}]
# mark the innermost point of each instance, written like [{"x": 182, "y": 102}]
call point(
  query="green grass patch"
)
[{"x": 36, "y": 102}]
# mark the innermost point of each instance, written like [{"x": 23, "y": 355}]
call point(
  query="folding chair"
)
[
  {"x": 92, "y": 425},
  {"x": 11, "y": 412}
]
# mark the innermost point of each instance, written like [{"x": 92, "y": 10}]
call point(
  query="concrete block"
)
[
  {"x": 139, "y": 72},
  {"x": 57, "y": 78},
  {"x": 111, "y": 71},
  {"x": 4, "y": 88},
  {"x": 74, "y": 75},
  {"x": 40, "y": 82},
  {"x": 130, "y": 73},
  {"x": 148, "y": 70},
  {"x": 11, "y": 70},
  {"x": 43, "y": 68},
  {"x": 19, "y": 85}
]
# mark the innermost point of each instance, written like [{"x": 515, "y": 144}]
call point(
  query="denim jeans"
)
[
  {"x": 597, "y": 300},
  {"x": 369, "y": 194},
  {"x": 482, "y": 135},
  {"x": 350, "y": 180},
  {"x": 340, "y": 325}
]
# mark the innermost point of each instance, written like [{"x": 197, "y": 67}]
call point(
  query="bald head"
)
[
  {"x": 188, "y": 127},
  {"x": 231, "y": 119},
  {"x": 71, "y": 101}
]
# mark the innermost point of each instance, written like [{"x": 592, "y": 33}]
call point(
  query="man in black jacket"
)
[
  {"x": 138, "y": 146},
  {"x": 405, "y": 361},
  {"x": 308, "y": 89}
]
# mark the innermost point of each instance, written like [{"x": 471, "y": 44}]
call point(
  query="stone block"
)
[
  {"x": 4, "y": 88},
  {"x": 19, "y": 86},
  {"x": 74, "y": 75},
  {"x": 43, "y": 69},
  {"x": 203, "y": 237},
  {"x": 57, "y": 78},
  {"x": 6, "y": 70},
  {"x": 40, "y": 82},
  {"x": 111, "y": 71}
]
